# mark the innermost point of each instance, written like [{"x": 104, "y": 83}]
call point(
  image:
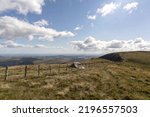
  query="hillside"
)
[
  {"x": 104, "y": 79},
  {"x": 138, "y": 57}
]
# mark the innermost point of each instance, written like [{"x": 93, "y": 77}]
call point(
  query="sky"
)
[{"x": 74, "y": 26}]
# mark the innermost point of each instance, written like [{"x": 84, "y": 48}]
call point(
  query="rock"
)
[{"x": 113, "y": 57}]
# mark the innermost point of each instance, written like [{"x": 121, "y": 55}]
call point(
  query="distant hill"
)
[
  {"x": 15, "y": 61},
  {"x": 140, "y": 57}
]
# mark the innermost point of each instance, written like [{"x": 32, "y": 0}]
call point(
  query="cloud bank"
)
[
  {"x": 12, "y": 44},
  {"x": 90, "y": 44},
  {"x": 12, "y": 28},
  {"x": 22, "y": 6}
]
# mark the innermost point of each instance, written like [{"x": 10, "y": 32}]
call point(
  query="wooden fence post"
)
[
  {"x": 38, "y": 68},
  {"x": 25, "y": 71},
  {"x": 6, "y": 73},
  {"x": 67, "y": 67},
  {"x": 59, "y": 69},
  {"x": 50, "y": 69},
  {"x": 87, "y": 65}
]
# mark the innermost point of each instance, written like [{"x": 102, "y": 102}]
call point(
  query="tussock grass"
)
[{"x": 106, "y": 80}]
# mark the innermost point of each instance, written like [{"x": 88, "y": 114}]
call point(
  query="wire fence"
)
[{"x": 26, "y": 71}]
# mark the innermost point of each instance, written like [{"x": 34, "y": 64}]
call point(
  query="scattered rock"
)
[{"x": 77, "y": 65}]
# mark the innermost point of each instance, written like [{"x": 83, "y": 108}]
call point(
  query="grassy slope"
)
[
  {"x": 137, "y": 57},
  {"x": 109, "y": 80}
]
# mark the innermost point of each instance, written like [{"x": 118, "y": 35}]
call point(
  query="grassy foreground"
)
[{"x": 108, "y": 80}]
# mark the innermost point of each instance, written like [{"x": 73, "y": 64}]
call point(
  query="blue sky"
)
[{"x": 73, "y": 26}]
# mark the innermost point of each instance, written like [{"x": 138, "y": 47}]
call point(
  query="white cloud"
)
[
  {"x": 131, "y": 6},
  {"x": 108, "y": 9},
  {"x": 41, "y": 23},
  {"x": 91, "y": 44},
  {"x": 13, "y": 28},
  {"x": 22, "y": 6},
  {"x": 12, "y": 44},
  {"x": 91, "y": 17},
  {"x": 78, "y": 28}
]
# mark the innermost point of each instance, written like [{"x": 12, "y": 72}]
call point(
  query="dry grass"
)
[
  {"x": 137, "y": 57},
  {"x": 108, "y": 80}
]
